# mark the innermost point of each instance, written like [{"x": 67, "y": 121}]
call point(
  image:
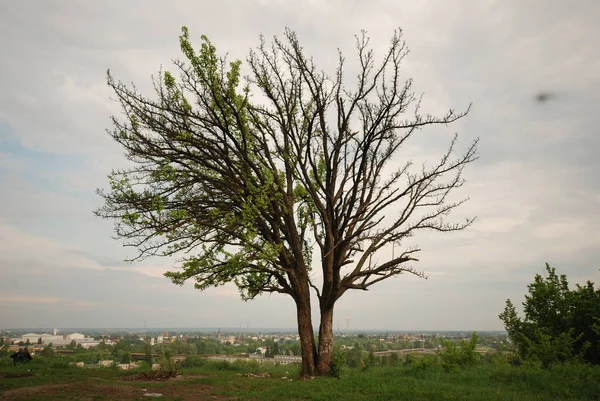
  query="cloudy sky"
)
[{"x": 535, "y": 188}]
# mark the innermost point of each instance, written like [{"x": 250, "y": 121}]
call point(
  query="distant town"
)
[{"x": 126, "y": 348}]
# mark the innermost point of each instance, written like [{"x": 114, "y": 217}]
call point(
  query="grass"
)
[{"x": 217, "y": 380}]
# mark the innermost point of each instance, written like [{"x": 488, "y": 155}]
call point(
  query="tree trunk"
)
[
  {"x": 325, "y": 341},
  {"x": 307, "y": 335}
]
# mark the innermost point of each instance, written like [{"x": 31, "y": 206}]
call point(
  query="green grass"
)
[
  {"x": 481, "y": 382},
  {"x": 484, "y": 381}
]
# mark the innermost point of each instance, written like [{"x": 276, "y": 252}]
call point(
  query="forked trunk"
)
[
  {"x": 325, "y": 341},
  {"x": 307, "y": 336}
]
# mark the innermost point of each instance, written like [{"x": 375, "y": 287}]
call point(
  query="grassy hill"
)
[{"x": 418, "y": 380}]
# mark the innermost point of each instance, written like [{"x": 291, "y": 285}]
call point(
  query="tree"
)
[
  {"x": 148, "y": 355},
  {"x": 40, "y": 341},
  {"x": 559, "y": 323},
  {"x": 249, "y": 191},
  {"x": 47, "y": 352},
  {"x": 275, "y": 350},
  {"x": 125, "y": 357},
  {"x": 102, "y": 346}
]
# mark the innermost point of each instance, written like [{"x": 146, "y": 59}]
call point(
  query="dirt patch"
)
[
  {"x": 16, "y": 375},
  {"x": 93, "y": 391},
  {"x": 156, "y": 376},
  {"x": 264, "y": 374},
  {"x": 74, "y": 391},
  {"x": 147, "y": 377}
]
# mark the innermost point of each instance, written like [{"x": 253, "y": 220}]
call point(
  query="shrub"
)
[
  {"x": 193, "y": 361},
  {"x": 454, "y": 356},
  {"x": 242, "y": 365},
  {"x": 337, "y": 365},
  {"x": 423, "y": 363},
  {"x": 354, "y": 357},
  {"x": 498, "y": 358},
  {"x": 57, "y": 363},
  {"x": 169, "y": 367},
  {"x": 47, "y": 352},
  {"x": 123, "y": 356},
  {"x": 371, "y": 361},
  {"x": 560, "y": 324},
  {"x": 236, "y": 366}
]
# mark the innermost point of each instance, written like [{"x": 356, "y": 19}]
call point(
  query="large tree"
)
[{"x": 247, "y": 181}]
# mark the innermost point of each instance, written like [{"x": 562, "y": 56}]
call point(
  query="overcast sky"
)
[{"x": 535, "y": 188}]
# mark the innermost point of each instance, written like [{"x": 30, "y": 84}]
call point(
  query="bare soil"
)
[
  {"x": 91, "y": 390},
  {"x": 16, "y": 375}
]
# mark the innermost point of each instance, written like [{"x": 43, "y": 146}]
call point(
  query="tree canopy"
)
[
  {"x": 247, "y": 178},
  {"x": 560, "y": 323}
]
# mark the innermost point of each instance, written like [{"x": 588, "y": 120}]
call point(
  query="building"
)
[
  {"x": 287, "y": 359},
  {"x": 262, "y": 350},
  {"x": 76, "y": 336},
  {"x": 58, "y": 341}
]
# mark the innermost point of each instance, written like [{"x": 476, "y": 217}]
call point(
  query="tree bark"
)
[
  {"x": 307, "y": 335},
  {"x": 325, "y": 341}
]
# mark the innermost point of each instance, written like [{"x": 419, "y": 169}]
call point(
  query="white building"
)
[{"x": 32, "y": 337}]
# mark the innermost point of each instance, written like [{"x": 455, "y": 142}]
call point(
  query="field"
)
[{"x": 53, "y": 380}]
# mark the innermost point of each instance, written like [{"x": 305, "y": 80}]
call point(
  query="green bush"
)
[
  {"x": 222, "y": 365},
  {"x": 337, "y": 365},
  {"x": 571, "y": 380},
  {"x": 246, "y": 365},
  {"x": 355, "y": 357},
  {"x": 57, "y": 363},
  {"x": 454, "y": 356},
  {"x": 169, "y": 367},
  {"x": 126, "y": 358},
  {"x": 560, "y": 324},
  {"x": 370, "y": 361},
  {"x": 193, "y": 361},
  {"x": 237, "y": 366},
  {"x": 47, "y": 352},
  {"x": 498, "y": 358},
  {"x": 423, "y": 363}
]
